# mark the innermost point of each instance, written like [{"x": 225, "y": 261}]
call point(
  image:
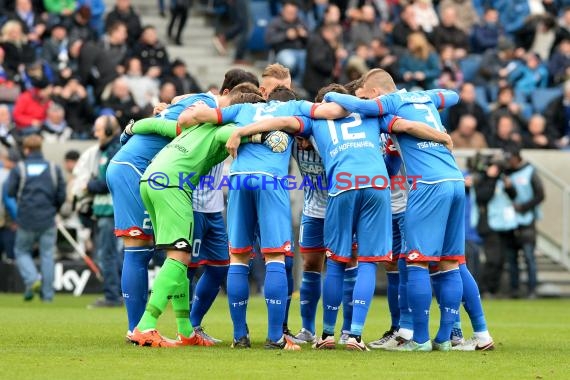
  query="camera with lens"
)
[{"x": 482, "y": 161}]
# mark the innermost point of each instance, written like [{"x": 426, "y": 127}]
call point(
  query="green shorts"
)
[{"x": 170, "y": 210}]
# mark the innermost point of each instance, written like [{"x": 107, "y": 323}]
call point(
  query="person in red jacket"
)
[{"x": 31, "y": 108}]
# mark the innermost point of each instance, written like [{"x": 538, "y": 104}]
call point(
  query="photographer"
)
[
  {"x": 497, "y": 220},
  {"x": 530, "y": 194}
]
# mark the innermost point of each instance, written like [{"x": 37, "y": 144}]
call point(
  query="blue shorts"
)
[
  {"x": 435, "y": 222},
  {"x": 131, "y": 218},
  {"x": 311, "y": 238},
  {"x": 366, "y": 213},
  {"x": 258, "y": 204},
  {"x": 210, "y": 245},
  {"x": 398, "y": 241}
]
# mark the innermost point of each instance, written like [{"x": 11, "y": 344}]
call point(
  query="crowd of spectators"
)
[
  {"x": 63, "y": 63},
  {"x": 510, "y": 60}
]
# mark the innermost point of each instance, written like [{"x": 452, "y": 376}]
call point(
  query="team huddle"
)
[{"x": 350, "y": 137}]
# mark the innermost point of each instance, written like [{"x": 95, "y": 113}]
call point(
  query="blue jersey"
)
[
  {"x": 258, "y": 158},
  {"x": 433, "y": 161},
  {"x": 141, "y": 149},
  {"x": 174, "y": 110},
  {"x": 350, "y": 149}
]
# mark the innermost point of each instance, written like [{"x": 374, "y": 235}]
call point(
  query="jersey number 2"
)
[{"x": 344, "y": 129}]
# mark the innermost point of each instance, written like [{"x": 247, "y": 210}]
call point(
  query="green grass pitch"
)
[{"x": 65, "y": 340}]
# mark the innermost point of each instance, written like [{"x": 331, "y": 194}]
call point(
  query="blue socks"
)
[
  {"x": 207, "y": 289},
  {"x": 347, "y": 296},
  {"x": 290, "y": 286},
  {"x": 363, "y": 292},
  {"x": 332, "y": 294},
  {"x": 406, "y": 321},
  {"x": 392, "y": 293},
  {"x": 238, "y": 295},
  {"x": 419, "y": 300},
  {"x": 472, "y": 300},
  {"x": 134, "y": 282},
  {"x": 310, "y": 294},
  {"x": 451, "y": 290},
  {"x": 275, "y": 290}
]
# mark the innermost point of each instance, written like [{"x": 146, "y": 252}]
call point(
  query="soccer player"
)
[
  {"x": 274, "y": 75},
  {"x": 277, "y": 75},
  {"x": 439, "y": 196},
  {"x": 262, "y": 201},
  {"x": 166, "y": 189},
  {"x": 350, "y": 147},
  {"x": 132, "y": 223}
]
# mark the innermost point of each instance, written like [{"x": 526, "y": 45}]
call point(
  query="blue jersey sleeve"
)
[
  {"x": 229, "y": 114},
  {"x": 307, "y": 108},
  {"x": 306, "y": 126},
  {"x": 366, "y": 107},
  {"x": 386, "y": 122},
  {"x": 443, "y": 98}
]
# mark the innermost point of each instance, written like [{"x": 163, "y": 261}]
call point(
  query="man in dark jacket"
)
[
  {"x": 94, "y": 66},
  {"x": 39, "y": 189},
  {"x": 321, "y": 59},
  {"x": 530, "y": 194},
  {"x": 124, "y": 12},
  {"x": 287, "y": 35},
  {"x": 497, "y": 222},
  {"x": 107, "y": 131}
]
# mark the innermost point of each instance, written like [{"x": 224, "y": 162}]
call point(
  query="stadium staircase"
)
[{"x": 202, "y": 60}]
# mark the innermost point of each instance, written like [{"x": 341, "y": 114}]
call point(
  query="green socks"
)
[
  {"x": 182, "y": 308},
  {"x": 171, "y": 283}
]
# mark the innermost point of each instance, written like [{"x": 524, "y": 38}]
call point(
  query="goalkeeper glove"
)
[{"x": 277, "y": 141}]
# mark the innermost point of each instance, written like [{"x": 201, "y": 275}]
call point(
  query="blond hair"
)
[
  {"x": 276, "y": 71},
  {"x": 419, "y": 46},
  {"x": 8, "y": 27},
  {"x": 378, "y": 78}
]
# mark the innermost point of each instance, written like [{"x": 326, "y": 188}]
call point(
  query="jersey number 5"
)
[{"x": 344, "y": 129}]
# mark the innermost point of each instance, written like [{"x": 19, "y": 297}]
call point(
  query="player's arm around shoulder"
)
[
  {"x": 257, "y": 130},
  {"x": 421, "y": 131},
  {"x": 199, "y": 113}
]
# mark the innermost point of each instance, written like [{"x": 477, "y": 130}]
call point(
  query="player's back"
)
[
  {"x": 350, "y": 147},
  {"x": 258, "y": 158},
  {"x": 140, "y": 149},
  {"x": 430, "y": 160},
  {"x": 312, "y": 167}
]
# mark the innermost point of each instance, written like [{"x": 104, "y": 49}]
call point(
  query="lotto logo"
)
[
  {"x": 413, "y": 256},
  {"x": 287, "y": 247},
  {"x": 135, "y": 233},
  {"x": 328, "y": 253},
  {"x": 181, "y": 244}
]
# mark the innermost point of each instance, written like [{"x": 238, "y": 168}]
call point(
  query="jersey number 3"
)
[
  {"x": 344, "y": 129},
  {"x": 429, "y": 117}
]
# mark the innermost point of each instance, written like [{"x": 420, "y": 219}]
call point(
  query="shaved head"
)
[{"x": 377, "y": 82}]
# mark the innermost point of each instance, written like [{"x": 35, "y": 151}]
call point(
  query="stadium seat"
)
[
  {"x": 542, "y": 97},
  {"x": 470, "y": 66},
  {"x": 260, "y": 14}
]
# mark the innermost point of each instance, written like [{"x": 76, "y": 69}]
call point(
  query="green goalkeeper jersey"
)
[{"x": 189, "y": 156}]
